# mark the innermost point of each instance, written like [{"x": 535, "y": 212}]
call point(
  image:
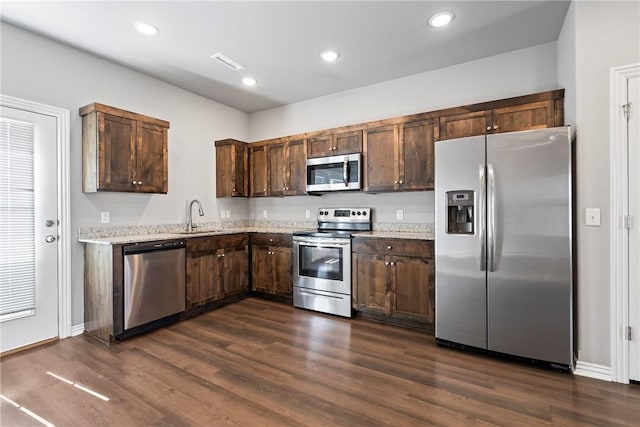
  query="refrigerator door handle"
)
[
  {"x": 491, "y": 217},
  {"x": 481, "y": 217}
]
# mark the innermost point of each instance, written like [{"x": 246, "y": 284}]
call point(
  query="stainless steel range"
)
[{"x": 322, "y": 260}]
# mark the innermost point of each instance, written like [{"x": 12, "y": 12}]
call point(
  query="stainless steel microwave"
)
[{"x": 334, "y": 173}]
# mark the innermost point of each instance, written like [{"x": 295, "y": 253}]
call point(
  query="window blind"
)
[{"x": 17, "y": 244}]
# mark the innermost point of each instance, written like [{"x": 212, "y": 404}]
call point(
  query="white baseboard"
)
[
  {"x": 77, "y": 329},
  {"x": 591, "y": 370}
]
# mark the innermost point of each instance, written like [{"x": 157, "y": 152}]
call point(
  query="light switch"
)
[
  {"x": 227, "y": 214},
  {"x": 307, "y": 213},
  {"x": 399, "y": 214},
  {"x": 592, "y": 217},
  {"x": 221, "y": 214},
  {"x": 105, "y": 217},
  {"x": 264, "y": 213}
]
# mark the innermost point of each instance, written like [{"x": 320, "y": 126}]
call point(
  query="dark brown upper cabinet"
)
[
  {"x": 334, "y": 143},
  {"x": 536, "y": 111},
  {"x": 232, "y": 168},
  {"x": 399, "y": 157},
  {"x": 123, "y": 151}
]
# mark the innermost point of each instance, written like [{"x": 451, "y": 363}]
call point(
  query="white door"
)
[
  {"x": 633, "y": 93},
  {"x": 29, "y": 229}
]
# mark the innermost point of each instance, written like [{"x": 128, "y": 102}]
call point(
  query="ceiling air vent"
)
[{"x": 227, "y": 61}]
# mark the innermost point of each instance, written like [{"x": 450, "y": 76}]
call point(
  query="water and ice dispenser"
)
[{"x": 460, "y": 211}]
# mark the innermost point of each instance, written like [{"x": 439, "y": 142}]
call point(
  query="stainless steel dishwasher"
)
[{"x": 154, "y": 281}]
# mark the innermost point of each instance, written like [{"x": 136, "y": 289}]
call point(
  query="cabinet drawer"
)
[
  {"x": 406, "y": 247},
  {"x": 271, "y": 239},
  {"x": 213, "y": 243}
]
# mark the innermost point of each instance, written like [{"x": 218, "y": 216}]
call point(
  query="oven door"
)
[
  {"x": 322, "y": 264},
  {"x": 334, "y": 173}
]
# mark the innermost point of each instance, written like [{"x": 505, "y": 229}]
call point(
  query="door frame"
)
[
  {"x": 619, "y": 236},
  {"x": 62, "y": 117}
]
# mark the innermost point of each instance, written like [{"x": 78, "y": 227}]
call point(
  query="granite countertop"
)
[{"x": 135, "y": 234}]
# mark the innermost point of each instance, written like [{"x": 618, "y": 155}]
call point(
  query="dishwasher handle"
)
[{"x": 154, "y": 246}]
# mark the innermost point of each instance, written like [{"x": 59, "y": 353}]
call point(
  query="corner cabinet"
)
[
  {"x": 272, "y": 265},
  {"x": 394, "y": 281},
  {"x": 232, "y": 168},
  {"x": 399, "y": 157},
  {"x": 123, "y": 151},
  {"x": 217, "y": 271}
]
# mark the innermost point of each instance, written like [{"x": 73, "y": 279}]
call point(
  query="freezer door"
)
[
  {"x": 529, "y": 292},
  {"x": 460, "y": 274}
]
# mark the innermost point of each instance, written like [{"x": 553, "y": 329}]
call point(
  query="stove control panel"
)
[{"x": 344, "y": 214}]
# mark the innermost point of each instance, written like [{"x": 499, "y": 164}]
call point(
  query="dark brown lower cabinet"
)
[
  {"x": 271, "y": 264},
  {"x": 217, "y": 271},
  {"x": 393, "y": 281}
]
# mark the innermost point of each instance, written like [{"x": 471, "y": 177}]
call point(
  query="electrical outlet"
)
[
  {"x": 265, "y": 213},
  {"x": 221, "y": 214},
  {"x": 227, "y": 213},
  {"x": 307, "y": 213},
  {"x": 592, "y": 217},
  {"x": 105, "y": 217},
  {"x": 399, "y": 214}
]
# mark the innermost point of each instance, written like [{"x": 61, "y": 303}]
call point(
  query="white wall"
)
[
  {"x": 38, "y": 69},
  {"x": 515, "y": 73},
  {"x": 602, "y": 34}
]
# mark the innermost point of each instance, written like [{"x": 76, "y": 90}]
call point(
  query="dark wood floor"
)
[{"x": 260, "y": 363}]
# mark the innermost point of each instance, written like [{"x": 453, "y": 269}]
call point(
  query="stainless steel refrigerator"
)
[{"x": 503, "y": 243}]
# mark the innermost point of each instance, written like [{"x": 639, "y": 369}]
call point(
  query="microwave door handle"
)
[{"x": 345, "y": 174}]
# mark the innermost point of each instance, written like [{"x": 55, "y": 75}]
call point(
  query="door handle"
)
[
  {"x": 491, "y": 217},
  {"x": 49, "y": 238},
  {"x": 481, "y": 217}
]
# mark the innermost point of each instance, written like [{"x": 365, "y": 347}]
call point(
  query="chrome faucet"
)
[{"x": 190, "y": 225}]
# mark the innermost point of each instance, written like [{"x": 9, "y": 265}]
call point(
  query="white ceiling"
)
[{"x": 279, "y": 42}]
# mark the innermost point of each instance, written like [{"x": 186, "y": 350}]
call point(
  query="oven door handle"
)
[
  {"x": 317, "y": 243},
  {"x": 323, "y": 246}
]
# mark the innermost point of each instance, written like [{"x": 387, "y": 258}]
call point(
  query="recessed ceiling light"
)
[
  {"x": 249, "y": 81},
  {"x": 146, "y": 29},
  {"x": 441, "y": 19},
  {"x": 329, "y": 55}
]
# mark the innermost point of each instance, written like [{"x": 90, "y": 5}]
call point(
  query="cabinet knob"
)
[
  {"x": 401, "y": 181},
  {"x": 233, "y": 189},
  {"x": 335, "y": 148},
  {"x": 389, "y": 247},
  {"x": 271, "y": 240},
  {"x": 395, "y": 182},
  {"x": 264, "y": 189},
  {"x": 386, "y": 263},
  {"x": 488, "y": 127},
  {"x": 391, "y": 263},
  {"x": 495, "y": 127},
  {"x": 134, "y": 182}
]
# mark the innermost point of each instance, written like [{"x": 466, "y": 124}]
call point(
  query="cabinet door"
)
[
  {"x": 151, "y": 158},
  {"x": 381, "y": 158},
  {"x": 370, "y": 278},
  {"x": 296, "y": 179},
  {"x": 536, "y": 115},
  {"x": 276, "y": 169},
  {"x": 204, "y": 281},
  {"x": 347, "y": 142},
  {"x": 235, "y": 271},
  {"x": 116, "y": 153},
  {"x": 282, "y": 268},
  {"x": 239, "y": 171},
  {"x": 224, "y": 170},
  {"x": 258, "y": 165},
  {"x": 320, "y": 146},
  {"x": 412, "y": 289},
  {"x": 416, "y": 155},
  {"x": 261, "y": 270},
  {"x": 463, "y": 125}
]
